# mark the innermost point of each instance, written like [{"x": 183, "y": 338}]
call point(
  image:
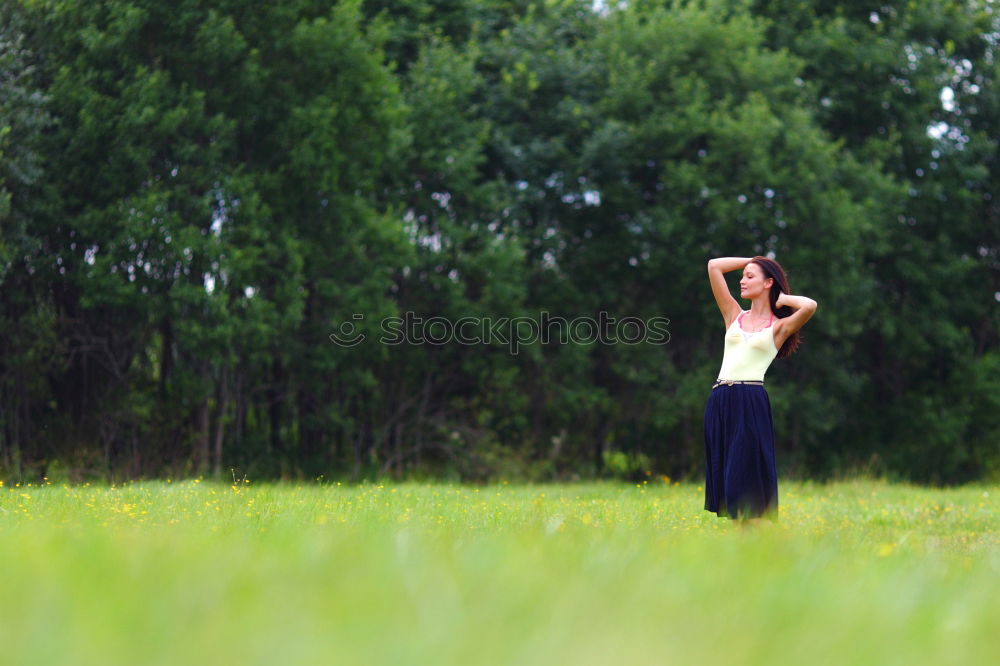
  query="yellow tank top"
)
[{"x": 747, "y": 354}]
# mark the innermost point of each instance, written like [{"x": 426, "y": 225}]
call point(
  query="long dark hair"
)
[{"x": 772, "y": 269}]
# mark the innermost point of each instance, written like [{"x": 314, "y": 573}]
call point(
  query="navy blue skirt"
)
[{"x": 741, "y": 479}]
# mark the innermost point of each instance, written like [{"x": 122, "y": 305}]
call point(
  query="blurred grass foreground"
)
[{"x": 192, "y": 572}]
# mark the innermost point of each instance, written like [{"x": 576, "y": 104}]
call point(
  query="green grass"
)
[{"x": 193, "y": 572}]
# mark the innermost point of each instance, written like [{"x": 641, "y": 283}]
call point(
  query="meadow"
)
[{"x": 198, "y": 572}]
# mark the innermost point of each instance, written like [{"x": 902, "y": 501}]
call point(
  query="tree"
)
[
  {"x": 25, "y": 324},
  {"x": 909, "y": 85}
]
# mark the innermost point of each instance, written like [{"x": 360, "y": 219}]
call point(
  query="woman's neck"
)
[{"x": 760, "y": 308}]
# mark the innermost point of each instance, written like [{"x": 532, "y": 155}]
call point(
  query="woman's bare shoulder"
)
[{"x": 733, "y": 318}]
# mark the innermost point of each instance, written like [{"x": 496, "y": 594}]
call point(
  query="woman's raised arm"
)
[
  {"x": 716, "y": 267},
  {"x": 804, "y": 309}
]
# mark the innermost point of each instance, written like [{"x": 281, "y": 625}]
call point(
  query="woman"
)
[{"x": 741, "y": 479}]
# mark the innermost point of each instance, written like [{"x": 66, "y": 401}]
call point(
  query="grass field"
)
[{"x": 192, "y": 572}]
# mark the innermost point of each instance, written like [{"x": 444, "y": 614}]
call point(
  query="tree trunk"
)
[
  {"x": 398, "y": 437},
  {"x": 274, "y": 395},
  {"x": 358, "y": 441},
  {"x": 241, "y": 403},
  {"x": 166, "y": 357},
  {"x": 222, "y": 401},
  {"x": 201, "y": 463}
]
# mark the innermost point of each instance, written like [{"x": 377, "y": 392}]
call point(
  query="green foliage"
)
[
  {"x": 195, "y": 195},
  {"x": 625, "y": 465},
  {"x": 23, "y": 118}
]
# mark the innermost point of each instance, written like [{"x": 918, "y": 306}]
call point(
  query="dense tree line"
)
[{"x": 195, "y": 195}]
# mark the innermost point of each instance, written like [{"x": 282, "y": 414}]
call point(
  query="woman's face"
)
[{"x": 753, "y": 282}]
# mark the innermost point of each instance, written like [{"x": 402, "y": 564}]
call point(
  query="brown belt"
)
[{"x": 730, "y": 382}]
